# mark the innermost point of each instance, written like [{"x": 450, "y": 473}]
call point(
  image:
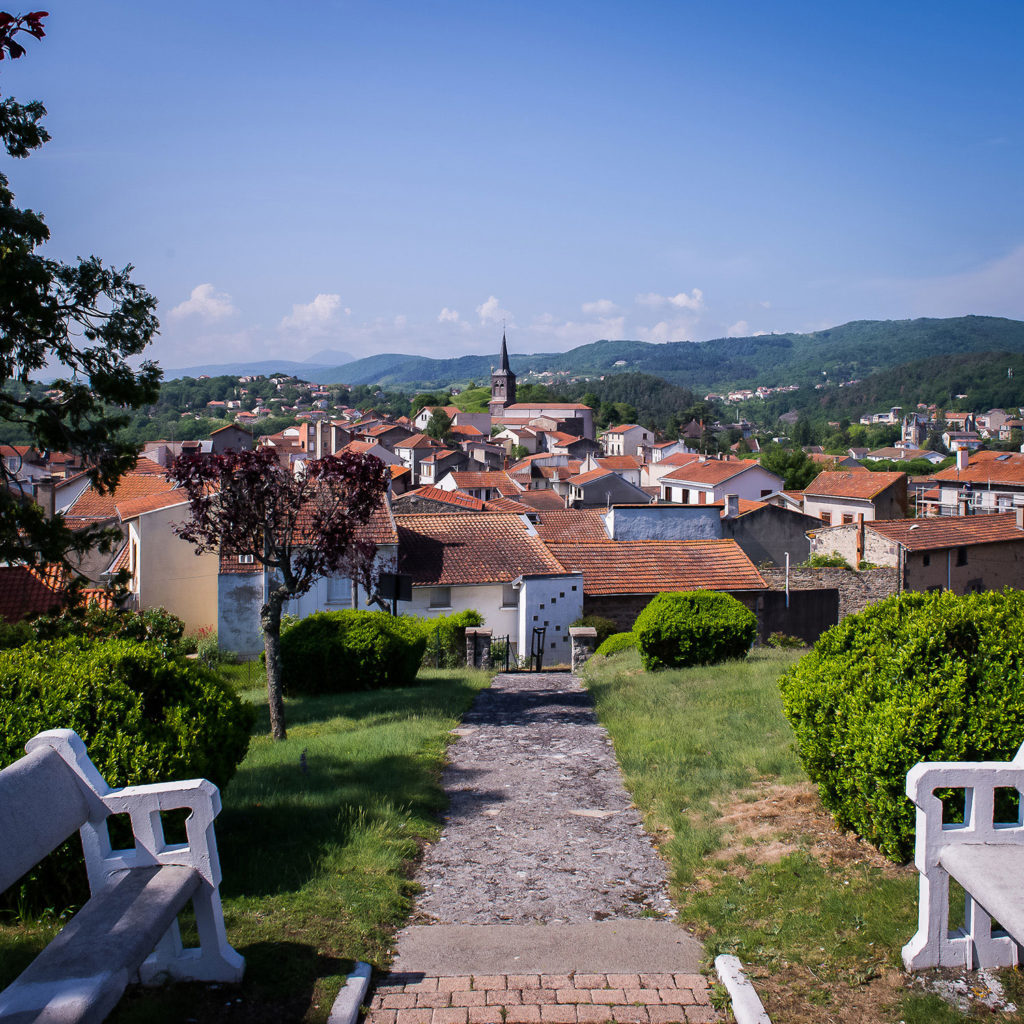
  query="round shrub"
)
[
  {"x": 617, "y": 642},
  {"x": 696, "y": 627},
  {"x": 143, "y": 716},
  {"x": 334, "y": 652},
  {"x": 925, "y": 677}
]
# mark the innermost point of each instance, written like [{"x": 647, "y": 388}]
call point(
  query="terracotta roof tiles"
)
[
  {"x": 570, "y": 525},
  {"x": 856, "y": 483},
  {"x": 653, "y": 566},
  {"x": 449, "y": 550},
  {"x": 949, "y": 531}
]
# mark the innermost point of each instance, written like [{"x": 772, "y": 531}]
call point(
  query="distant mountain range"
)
[
  {"x": 854, "y": 350},
  {"x": 328, "y": 359}
]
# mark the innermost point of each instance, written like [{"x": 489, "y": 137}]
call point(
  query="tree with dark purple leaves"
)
[{"x": 299, "y": 522}]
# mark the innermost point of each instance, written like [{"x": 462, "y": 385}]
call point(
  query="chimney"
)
[
  {"x": 45, "y": 491},
  {"x": 962, "y": 456},
  {"x": 963, "y": 505},
  {"x": 702, "y": 458},
  {"x": 1020, "y": 518},
  {"x": 732, "y": 506}
]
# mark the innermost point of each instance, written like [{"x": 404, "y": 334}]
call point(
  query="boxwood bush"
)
[
  {"x": 925, "y": 677},
  {"x": 143, "y": 716},
  {"x": 334, "y": 652},
  {"x": 617, "y": 642},
  {"x": 696, "y": 627},
  {"x": 446, "y": 637}
]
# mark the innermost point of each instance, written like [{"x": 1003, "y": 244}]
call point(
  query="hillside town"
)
[{"x": 571, "y": 524}]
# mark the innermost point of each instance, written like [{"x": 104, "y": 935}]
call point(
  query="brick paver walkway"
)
[
  {"x": 540, "y": 830},
  {"x": 543, "y": 998}
]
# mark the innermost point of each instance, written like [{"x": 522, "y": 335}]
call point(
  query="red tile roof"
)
[
  {"x": 620, "y": 462},
  {"x": 506, "y": 505},
  {"x": 146, "y": 480},
  {"x": 571, "y": 524},
  {"x": 623, "y": 428},
  {"x": 856, "y": 483},
  {"x": 151, "y": 503},
  {"x": 546, "y": 405},
  {"x": 746, "y": 505},
  {"x": 448, "y": 550},
  {"x": 542, "y": 499},
  {"x": 711, "y": 472},
  {"x": 27, "y": 592},
  {"x": 448, "y": 497},
  {"x": 590, "y": 476},
  {"x": 949, "y": 531},
  {"x": 495, "y": 480},
  {"x": 985, "y": 468},
  {"x": 653, "y": 566},
  {"x": 416, "y": 441}
]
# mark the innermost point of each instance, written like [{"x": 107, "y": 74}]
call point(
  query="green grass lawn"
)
[
  {"x": 756, "y": 866},
  {"x": 316, "y": 840}
]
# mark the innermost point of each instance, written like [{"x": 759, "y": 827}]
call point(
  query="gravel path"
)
[{"x": 540, "y": 827}]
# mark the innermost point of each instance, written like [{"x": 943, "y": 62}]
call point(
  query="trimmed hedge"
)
[
  {"x": 334, "y": 652},
  {"x": 143, "y": 716},
  {"x": 696, "y": 627},
  {"x": 446, "y": 637},
  {"x": 617, "y": 642},
  {"x": 925, "y": 677}
]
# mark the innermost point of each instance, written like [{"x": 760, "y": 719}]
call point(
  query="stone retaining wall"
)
[{"x": 856, "y": 589}]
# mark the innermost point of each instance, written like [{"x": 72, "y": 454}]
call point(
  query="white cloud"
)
[
  {"x": 740, "y": 329},
  {"x": 491, "y": 312},
  {"x": 547, "y": 329},
  {"x": 693, "y": 302},
  {"x": 448, "y": 316},
  {"x": 602, "y": 307},
  {"x": 315, "y": 317},
  {"x": 206, "y": 302}
]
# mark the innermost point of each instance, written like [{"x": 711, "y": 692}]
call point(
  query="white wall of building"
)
[{"x": 166, "y": 571}]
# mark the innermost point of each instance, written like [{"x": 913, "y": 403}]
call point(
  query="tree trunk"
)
[{"x": 270, "y": 619}]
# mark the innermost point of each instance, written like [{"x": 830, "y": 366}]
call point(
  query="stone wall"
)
[{"x": 856, "y": 589}]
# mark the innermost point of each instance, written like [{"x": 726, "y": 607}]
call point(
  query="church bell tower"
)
[{"x": 503, "y": 384}]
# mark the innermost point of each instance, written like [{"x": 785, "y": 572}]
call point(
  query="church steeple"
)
[{"x": 503, "y": 383}]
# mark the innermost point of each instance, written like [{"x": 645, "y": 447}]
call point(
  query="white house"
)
[{"x": 709, "y": 480}]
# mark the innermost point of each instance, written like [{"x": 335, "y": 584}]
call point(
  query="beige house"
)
[{"x": 165, "y": 570}]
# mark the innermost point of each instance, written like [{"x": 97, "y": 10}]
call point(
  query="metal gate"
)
[{"x": 537, "y": 649}]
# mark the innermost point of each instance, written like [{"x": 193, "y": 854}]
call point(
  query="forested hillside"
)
[{"x": 853, "y": 350}]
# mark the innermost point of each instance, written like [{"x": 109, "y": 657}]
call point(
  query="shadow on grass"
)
[
  {"x": 427, "y": 698},
  {"x": 279, "y": 985},
  {"x": 274, "y": 843}
]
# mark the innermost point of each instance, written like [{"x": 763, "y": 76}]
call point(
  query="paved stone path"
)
[{"x": 540, "y": 831}]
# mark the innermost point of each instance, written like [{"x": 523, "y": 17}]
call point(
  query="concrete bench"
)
[
  {"x": 128, "y": 928},
  {"x": 986, "y": 858}
]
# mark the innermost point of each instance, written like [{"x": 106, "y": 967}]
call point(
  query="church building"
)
[{"x": 503, "y": 384}]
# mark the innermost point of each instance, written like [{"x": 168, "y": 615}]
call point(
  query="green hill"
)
[{"x": 853, "y": 350}]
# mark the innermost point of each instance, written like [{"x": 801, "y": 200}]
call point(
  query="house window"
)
[
  {"x": 440, "y": 597},
  {"x": 339, "y": 590},
  {"x": 765, "y": 492},
  {"x": 926, "y": 558},
  {"x": 245, "y": 559},
  {"x": 847, "y": 518},
  {"x": 961, "y": 556},
  {"x": 509, "y": 596}
]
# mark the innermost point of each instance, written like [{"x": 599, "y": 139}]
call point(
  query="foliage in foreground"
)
[
  {"x": 617, "y": 642},
  {"x": 331, "y": 652},
  {"x": 144, "y": 716},
  {"x": 605, "y": 627},
  {"x": 316, "y": 841},
  {"x": 698, "y": 627},
  {"x": 923, "y": 677}
]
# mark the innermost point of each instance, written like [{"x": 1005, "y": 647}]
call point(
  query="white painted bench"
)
[
  {"x": 984, "y": 856},
  {"x": 128, "y": 928}
]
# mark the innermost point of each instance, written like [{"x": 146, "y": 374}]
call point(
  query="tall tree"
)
[
  {"x": 299, "y": 525},
  {"x": 82, "y": 322},
  {"x": 439, "y": 426}
]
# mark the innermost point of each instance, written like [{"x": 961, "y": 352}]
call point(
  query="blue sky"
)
[{"x": 396, "y": 176}]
